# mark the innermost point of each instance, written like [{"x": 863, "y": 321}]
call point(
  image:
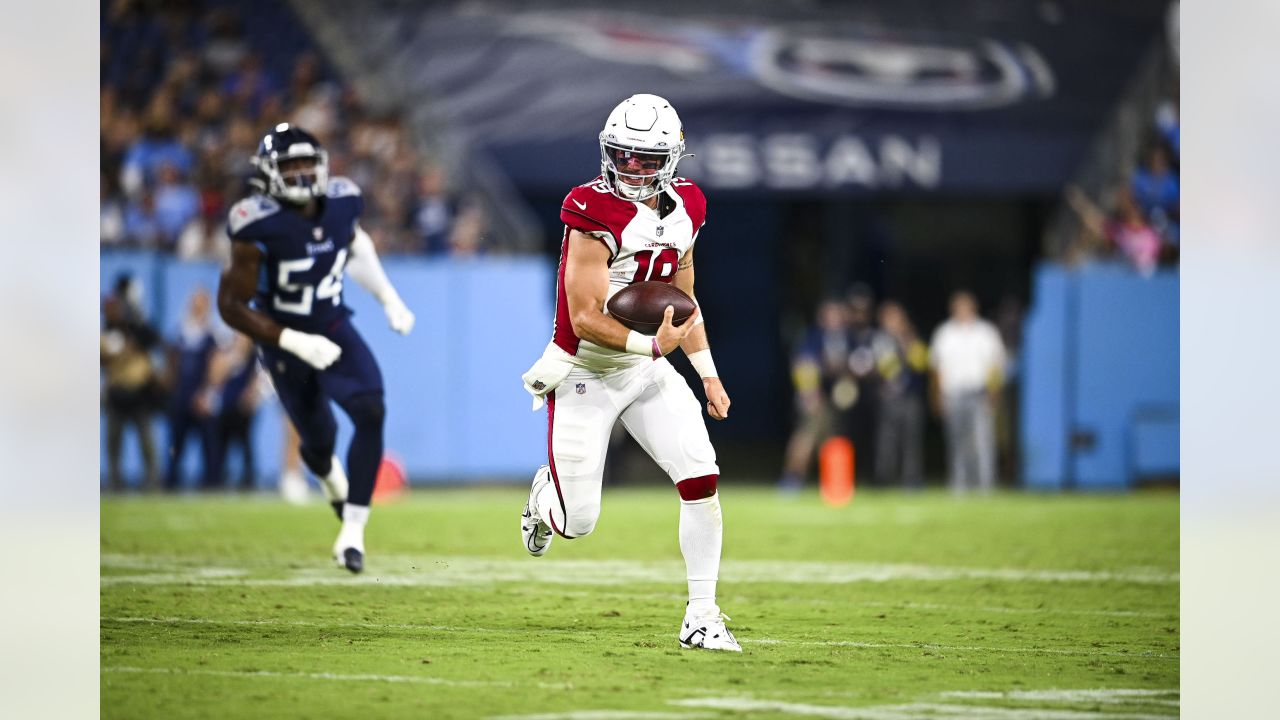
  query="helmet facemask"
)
[
  {"x": 291, "y": 178},
  {"x": 637, "y": 173}
]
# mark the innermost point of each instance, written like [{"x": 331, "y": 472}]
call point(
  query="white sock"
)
[
  {"x": 701, "y": 530},
  {"x": 335, "y": 483},
  {"x": 357, "y": 514},
  {"x": 354, "y": 518}
]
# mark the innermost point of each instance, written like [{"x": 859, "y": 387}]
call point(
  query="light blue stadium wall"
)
[
  {"x": 1101, "y": 363},
  {"x": 1044, "y": 362},
  {"x": 455, "y": 407}
]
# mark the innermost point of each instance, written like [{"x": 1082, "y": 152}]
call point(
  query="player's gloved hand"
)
[
  {"x": 315, "y": 350},
  {"x": 399, "y": 316}
]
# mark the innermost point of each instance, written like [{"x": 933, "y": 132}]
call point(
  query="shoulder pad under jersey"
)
[
  {"x": 591, "y": 208},
  {"x": 695, "y": 203},
  {"x": 342, "y": 186},
  {"x": 248, "y": 211}
]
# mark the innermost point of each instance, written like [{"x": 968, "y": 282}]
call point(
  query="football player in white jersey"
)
[{"x": 637, "y": 221}]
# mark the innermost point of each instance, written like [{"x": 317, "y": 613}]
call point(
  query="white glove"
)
[
  {"x": 547, "y": 373},
  {"x": 399, "y": 316},
  {"x": 315, "y": 350}
]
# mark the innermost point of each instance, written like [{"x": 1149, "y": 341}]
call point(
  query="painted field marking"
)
[
  {"x": 412, "y": 679},
  {"x": 1085, "y": 652},
  {"x": 448, "y": 571},
  {"x": 909, "y": 711},
  {"x": 609, "y": 715},
  {"x": 323, "y": 625},
  {"x": 1100, "y": 695},
  {"x": 810, "y": 601},
  {"x": 1025, "y": 611}
]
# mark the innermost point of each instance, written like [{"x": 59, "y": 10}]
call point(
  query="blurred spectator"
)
[
  {"x": 902, "y": 361},
  {"x": 967, "y": 358},
  {"x": 433, "y": 212},
  {"x": 190, "y": 407},
  {"x": 158, "y": 145},
  {"x": 1128, "y": 233},
  {"x": 226, "y": 47},
  {"x": 820, "y": 373},
  {"x": 141, "y": 223},
  {"x": 250, "y": 88},
  {"x": 235, "y": 387},
  {"x": 132, "y": 391},
  {"x": 110, "y": 213},
  {"x": 860, "y": 410},
  {"x": 189, "y": 91},
  {"x": 467, "y": 237},
  {"x": 1155, "y": 189},
  {"x": 176, "y": 203}
]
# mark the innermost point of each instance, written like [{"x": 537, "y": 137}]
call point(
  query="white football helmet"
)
[{"x": 640, "y": 146}]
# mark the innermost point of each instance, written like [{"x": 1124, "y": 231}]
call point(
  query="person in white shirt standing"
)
[{"x": 967, "y": 359}]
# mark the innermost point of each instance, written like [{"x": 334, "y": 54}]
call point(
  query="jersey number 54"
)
[{"x": 329, "y": 287}]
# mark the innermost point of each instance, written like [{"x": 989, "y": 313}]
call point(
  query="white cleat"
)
[
  {"x": 535, "y": 534},
  {"x": 707, "y": 632}
]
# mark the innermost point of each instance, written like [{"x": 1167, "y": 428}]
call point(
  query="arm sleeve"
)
[{"x": 366, "y": 269}]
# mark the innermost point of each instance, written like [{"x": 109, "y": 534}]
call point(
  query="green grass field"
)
[{"x": 897, "y": 606}]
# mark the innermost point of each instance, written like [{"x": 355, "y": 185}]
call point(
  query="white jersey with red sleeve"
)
[{"x": 642, "y": 246}]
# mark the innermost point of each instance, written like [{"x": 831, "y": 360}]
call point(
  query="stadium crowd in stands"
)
[
  {"x": 188, "y": 88},
  {"x": 1142, "y": 224}
]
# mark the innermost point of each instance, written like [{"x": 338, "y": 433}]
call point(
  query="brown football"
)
[{"x": 640, "y": 305}]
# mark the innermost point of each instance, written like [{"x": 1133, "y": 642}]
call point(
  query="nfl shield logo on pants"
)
[{"x": 580, "y": 388}]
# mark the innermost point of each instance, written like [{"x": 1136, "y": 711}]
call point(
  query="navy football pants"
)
[{"x": 354, "y": 382}]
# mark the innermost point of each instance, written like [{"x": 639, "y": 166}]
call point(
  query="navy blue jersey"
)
[{"x": 300, "y": 283}]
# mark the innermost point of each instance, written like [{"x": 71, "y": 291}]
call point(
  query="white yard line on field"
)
[
  {"x": 413, "y": 679},
  {"x": 337, "y": 677},
  {"x": 609, "y": 715},
  {"x": 1100, "y": 695},
  {"x": 1086, "y": 652},
  {"x": 751, "y": 705},
  {"x": 448, "y": 571},
  {"x": 1018, "y": 611},
  {"x": 749, "y": 597},
  {"x": 910, "y": 711}
]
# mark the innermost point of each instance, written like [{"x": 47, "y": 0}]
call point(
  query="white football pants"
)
[{"x": 658, "y": 409}]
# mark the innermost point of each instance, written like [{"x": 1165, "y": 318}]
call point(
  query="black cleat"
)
[
  {"x": 337, "y": 508},
  {"x": 353, "y": 559}
]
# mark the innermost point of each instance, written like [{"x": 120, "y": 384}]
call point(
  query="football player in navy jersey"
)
[{"x": 291, "y": 243}]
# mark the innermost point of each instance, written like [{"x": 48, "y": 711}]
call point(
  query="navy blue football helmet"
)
[{"x": 291, "y": 164}]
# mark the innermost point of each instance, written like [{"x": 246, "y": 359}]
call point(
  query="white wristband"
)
[
  {"x": 703, "y": 363},
  {"x": 641, "y": 344},
  {"x": 700, "y": 319}
]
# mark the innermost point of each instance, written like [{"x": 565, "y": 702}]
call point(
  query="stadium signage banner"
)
[
  {"x": 973, "y": 97},
  {"x": 805, "y": 161}
]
